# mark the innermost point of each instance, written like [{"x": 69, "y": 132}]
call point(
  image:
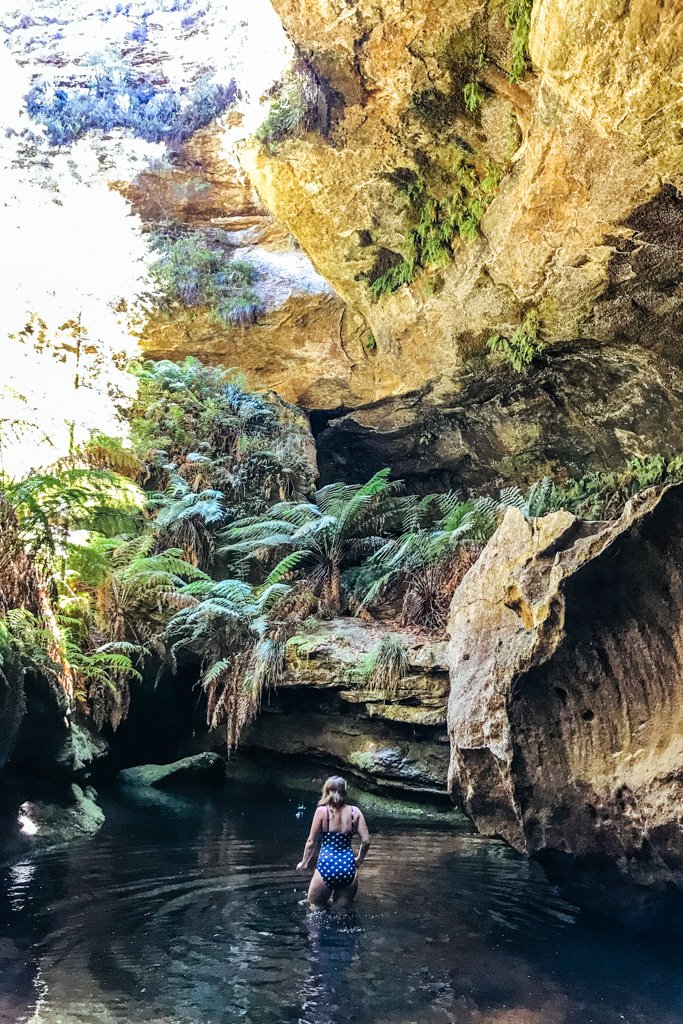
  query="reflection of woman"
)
[{"x": 335, "y": 823}]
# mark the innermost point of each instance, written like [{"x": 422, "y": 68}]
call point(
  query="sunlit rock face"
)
[
  {"x": 584, "y": 227},
  {"x": 565, "y": 707},
  {"x": 84, "y": 207},
  {"x": 304, "y": 342}
]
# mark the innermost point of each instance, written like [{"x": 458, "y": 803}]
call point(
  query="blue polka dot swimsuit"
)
[{"x": 336, "y": 860}]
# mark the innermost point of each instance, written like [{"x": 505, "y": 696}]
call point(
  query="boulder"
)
[
  {"x": 566, "y": 713},
  {"x": 199, "y": 768},
  {"x": 73, "y": 814}
]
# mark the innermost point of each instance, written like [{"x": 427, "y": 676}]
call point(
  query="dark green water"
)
[{"x": 188, "y": 911}]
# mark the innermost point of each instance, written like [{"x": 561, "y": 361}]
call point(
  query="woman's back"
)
[
  {"x": 341, "y": 819},
  {"x": 334, "y": 825}
]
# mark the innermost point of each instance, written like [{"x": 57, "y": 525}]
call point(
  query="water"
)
[{"x": 188, "y": 911}]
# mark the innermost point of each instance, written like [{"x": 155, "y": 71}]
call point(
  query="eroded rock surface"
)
[
  {"x": 579, "y": 406},
  {"x": 565, "y": 712},
  {"x": 304, "y": 343},
  {"x": 584, "y": 228},
  {"x": 325, "y": 712}
]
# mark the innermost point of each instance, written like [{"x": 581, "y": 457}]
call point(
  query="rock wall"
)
[
  {"x": 565, "y": 712},
  {"x": 584, "y": 228},
  {"x": 12, "y": 707},
  {"x": 323, "y": 712},
  {"x": 304, "y": 343}
]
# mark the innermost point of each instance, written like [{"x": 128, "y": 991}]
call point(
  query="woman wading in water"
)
[{"x": 335, "y": 823}]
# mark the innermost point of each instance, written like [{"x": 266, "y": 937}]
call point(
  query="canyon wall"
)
[
  {"x": 565, "y": 712},
  {"x": 304, "y": 342},
  {"x": 583, "y": 230}
]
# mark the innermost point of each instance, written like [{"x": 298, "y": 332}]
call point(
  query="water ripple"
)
[{"x": 199, "y": 918}]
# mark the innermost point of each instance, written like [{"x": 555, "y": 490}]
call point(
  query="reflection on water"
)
[{"x": 188, "y": 911}]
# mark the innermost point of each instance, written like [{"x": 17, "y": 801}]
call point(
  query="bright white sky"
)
[{"x": 71, "y": 248}]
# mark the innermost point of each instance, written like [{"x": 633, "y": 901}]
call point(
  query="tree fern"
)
[{"x": 319, "y": 539}]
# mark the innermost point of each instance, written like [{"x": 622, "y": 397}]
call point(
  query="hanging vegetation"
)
[
  {"x": 222, "y": 555},
  {"x": 438, "y": 222}
]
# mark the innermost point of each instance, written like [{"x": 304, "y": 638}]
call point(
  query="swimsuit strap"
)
[{"x": 327, "y": 808}]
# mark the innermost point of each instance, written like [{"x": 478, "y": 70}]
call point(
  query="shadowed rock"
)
[
  {"x": 565, "y": 712},
  {"x": 204, "y": 768},
  {"x": 70, "y": 815}
]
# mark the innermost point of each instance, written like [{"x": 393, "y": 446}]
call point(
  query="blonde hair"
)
[{"x": 334, "y": 792}]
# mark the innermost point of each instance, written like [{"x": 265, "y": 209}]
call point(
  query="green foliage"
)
[
  {"x": 599, "y": 494},
  {"x": 298, "y": 105},
  {"x": 386, "y": 666},
  {"x": 440, "y": 538},
  {"x": 473, "y": 96},
  {"x": 112, "y": 96},
  {"x": 318, "y": 539},
  {"x": 114, "y": 599},
  {"x": 25, "y": 645},
  {"x": 439, "y": 223},
  {"x": 199, "y": 424},
  {"x": 602, "y": 495},
  {"x": 518, "y": 20},
  {"x": 188, "y": 519},
  {"x": 287, "y": 114},
  {"x": 523, "y": 344},
  {"x": 196, "y": 270},
  {"x": 50, "y": 505},
  {"x": 224, "y": 626}
]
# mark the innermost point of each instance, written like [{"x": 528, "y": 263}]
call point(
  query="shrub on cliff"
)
[
  {"x": 384, "y": 667},
  {"x": 112, "y": 97},
  {"x": 200, "y": 423},
  {"x": 298, "y": 104},
  {"x": 518, "y": 20},
  {"x": 436, "y": 223},
  {"x": 197, "y": 271},
  {"x": 520, "y": 347}
]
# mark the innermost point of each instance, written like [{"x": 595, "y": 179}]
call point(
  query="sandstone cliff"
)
[
  {"x": 565, "y": 706},
  {"x": 583, "y": 229},
  {"x": 304, "y": 343}
]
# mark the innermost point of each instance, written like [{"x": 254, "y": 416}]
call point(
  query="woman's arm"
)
[
  {"x": 312, "y": 840},
  {"x": 364, "y": 836}
]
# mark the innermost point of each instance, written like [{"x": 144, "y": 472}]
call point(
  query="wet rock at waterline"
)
[
  {"x": 70, "y": 815},
  {"x": 207, "y": 768},
  {"x": 565, "y": 712}
]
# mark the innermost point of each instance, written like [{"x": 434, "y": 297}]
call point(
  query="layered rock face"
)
[
  {"x": 326, "y": 713},
  {"x": 584, "y": 228},
  {"x": 304, "y": 343},
  {"x": 565, "y": 712}
]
